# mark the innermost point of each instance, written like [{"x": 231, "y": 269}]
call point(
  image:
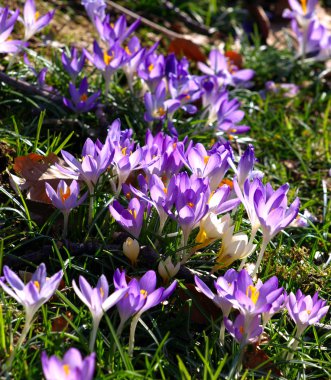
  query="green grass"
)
[{"x": 291, "y": 137}]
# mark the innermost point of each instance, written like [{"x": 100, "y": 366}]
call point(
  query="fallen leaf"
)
[
  {"x": 235, "y": 58},
  {"x": 34, "y": 170},
  {"x": 256, "y": 357},
  {"x": 61, "y": 323},
  {"x": 184, "y": 47}
]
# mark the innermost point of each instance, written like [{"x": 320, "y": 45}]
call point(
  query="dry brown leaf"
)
[
  {"x": 34, "y": 170},
  {"x": 184, "y": 47}
]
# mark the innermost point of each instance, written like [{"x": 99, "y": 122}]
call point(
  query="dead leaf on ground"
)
[
  {"x": 34, "y": 171},
  {"x": 184, "y": 47}
]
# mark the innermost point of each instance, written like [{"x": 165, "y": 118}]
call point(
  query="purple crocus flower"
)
[
  {"x": 96, "y": 158},
  {"x": 40, "y": 76},
  {"x": 107, "y": 61},
  {"x": 95, "y": 9},
  {"x": 244, "y": 331},
  {"x": 305, "y": 310},
  {"x": 31, "y": 295},
  {"x": 141, "y": 296},
  {"x": 131, "y": 219},
  {"x": 191, "y": 203},
  {"x": 65, "y": 198},
  {"x": 272, "y": 210},
  {"x": 117, "y": 32},
  {"x": 229, "y": 115},
  {"x": 80, "y": 101},
  {"x": 134, "y": 56},
  {"x": 151, "y": 70},
  {"x": 303, "y": 12},
  {"x": 226, "y": 74},
  {"x": 286, "y": 90},
  {"x": 33, "y": 22},
  {"x": 71, "y": 367},
  {"x": 6, "y": 27},
  {"x": 207, "y": 165},
  {"x": 157, "y": 107},
  {"x": 97, "y": 300},
  {"x": 73, "y": 64}
]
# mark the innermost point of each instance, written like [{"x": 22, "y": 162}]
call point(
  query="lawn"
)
[{"x": 165, "y": 178}]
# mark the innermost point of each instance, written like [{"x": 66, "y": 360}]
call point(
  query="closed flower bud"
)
[
  {"x": 131, "y": 249},
  {"x": 167, "y": 269}
]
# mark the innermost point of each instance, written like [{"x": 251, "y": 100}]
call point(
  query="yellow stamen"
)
[
  {"x": 66, "y": 195},
  {"x": 107, "y": 58},
  {"x": 206, "y": 159},
  {"x": 201, "y": 237},
  {"x": 304, "y": 6},
  {"x": 308, "y": 312},
  {"x": 143, "y": 292},
  {"x": 150, "y": 67},
  {"x": 83, "y": 97},
  {"x": 66, "y": 369},
  {"x": 128, "y": 195},
  {"x": 241, "y": 329},
  {"x": 160, "y": 112},
  {"x": 127, "y": 50},
  {"x": 165, "y": 190},
  {"x": 124, "y": 150},
  {"x": 133, "y": 213},
  {"x": 226, "y": 181},
  {"x": 36, "y": 16},
  {"x": 37, "y": 285},
  {"x": 252, "y": 293},
  {"x": 102, "y": 293},
  {"x": 190, "y": 204}
]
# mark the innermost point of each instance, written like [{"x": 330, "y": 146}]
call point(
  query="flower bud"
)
[
  {"x": 131, "y": 249},
  {"x": 167, "y": 269}
]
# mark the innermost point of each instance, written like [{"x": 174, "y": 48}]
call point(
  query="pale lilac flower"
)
[
  {"x": 305, "y": 310},
  {"x": 65, "y": 198},
  {"x": 6, "y": 27},
  {"x": 151, "y": 69},
  {"x": 226, "y": 74},
  {"x": 287, "y": 90},
  {"x": 131, "y": 219},
  {"x": 302, "y": 11},
  {"x": 141, "y": 296},
  {"x": 33, "y": 22},
  {"x": 95, "y": 9},
  {"x": 33, "y": 294},
  {"x": 97, "y": 300},
  {"x": 71, "y": 367},
  {"x": 244, "y": 330}
]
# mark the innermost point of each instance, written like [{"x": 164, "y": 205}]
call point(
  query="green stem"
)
[
  {"x": 91, "y": 208},
  {"x": 65, "y": 224},
  {"x": 293, "y": 345},
  {"x": 94, "y": 331},
  {"x": 260, "y": 256},
  {"x": 26, "y": 329},
  {"x": 133, "y": 327}
]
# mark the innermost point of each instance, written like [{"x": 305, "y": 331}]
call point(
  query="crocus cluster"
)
[
  {"x": 255, "y": 304},
  {"x": 314, "y": 39}
]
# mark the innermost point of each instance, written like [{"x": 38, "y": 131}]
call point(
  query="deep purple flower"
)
[
  {"x": 6, "y": 27},
  {"x": 71, "y": 367},
  {"x": 244, "y": 330},
  {"x": 131, "y": 219},
  {"x": 33, "y": 294},
  {"x": 73, "y": 64},
  {"x": 33, "y": 22},
  {"x": 80, "y": 101},
  {"x": 40, "y": 76}
]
